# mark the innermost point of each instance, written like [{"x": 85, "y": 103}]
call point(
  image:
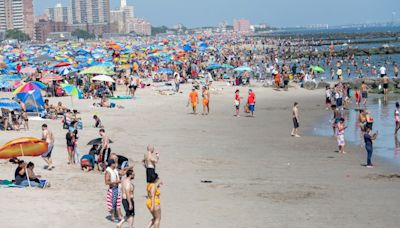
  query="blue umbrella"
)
[
  {"x": 214, "y": 66},
  {"x": 165, "y": 71},
  {"x": 243, "y": 68},
  {"x": 9, "y": 104}
]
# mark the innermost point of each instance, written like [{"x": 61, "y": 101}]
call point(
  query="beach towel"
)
[
  {"x": 9, "y": 184},
  {"x": 113, "y": 199}
]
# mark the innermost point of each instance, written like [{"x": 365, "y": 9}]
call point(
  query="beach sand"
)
[{"x": 261, "y": 176}]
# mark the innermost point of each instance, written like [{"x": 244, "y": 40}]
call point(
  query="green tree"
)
[
  {"x": 158, "y": 30},
  {"x": 82, "y": 34},
  {"x": 17, "y": 34}
]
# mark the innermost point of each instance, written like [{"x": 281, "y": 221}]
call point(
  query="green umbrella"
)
[
  {"x": 98, "y": 70},
  {"x": 227, "y": 66},
  {"x": 243, "y": 69},
  {"x": 317, "y": 69}
]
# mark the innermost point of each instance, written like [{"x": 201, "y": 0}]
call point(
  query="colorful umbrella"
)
[
  {"x": 9, "y": 104},
  {"x": 30, "y": 86},
  {"x": 317, "y": 69},
  {"x": 52, "y": 78},
  {"x": 165, "y": 71},
  {"x": 62, "y": 64},
  {"x": 98, "y": 70},
  {"x": 71, "y": 90},
  {"x": 23, "y": 147}
]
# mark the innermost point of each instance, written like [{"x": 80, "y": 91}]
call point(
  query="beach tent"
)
[{"x": 33, "y": 100}]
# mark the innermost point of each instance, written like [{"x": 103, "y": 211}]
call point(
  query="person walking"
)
[
  {"x": 48, "y": 136},
  {"x": 128, "y": 203}
]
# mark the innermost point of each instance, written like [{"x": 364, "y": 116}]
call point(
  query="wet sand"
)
[{"x": 261, "y": 176}]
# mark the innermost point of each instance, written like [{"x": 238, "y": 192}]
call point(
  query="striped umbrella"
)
[{"x": 9, "y": 104}]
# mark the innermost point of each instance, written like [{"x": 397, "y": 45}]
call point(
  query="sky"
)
[{"x": 278, "y": 13}]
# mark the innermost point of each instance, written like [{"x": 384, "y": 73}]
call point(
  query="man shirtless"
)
[
  {"x": 104, "y": 150},
  {"x": 385, "y": 84},
  {"x": 364, "y": 92},
  {"x": 149, "y": 162},
  {"x": 127, "y": 190},
  {"x": 47, "y": 136},
  {"x": 295, "y": 113}
]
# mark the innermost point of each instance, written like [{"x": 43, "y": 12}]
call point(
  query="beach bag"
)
[
  {"x": 236, "y": 103},
  {"x": 246, "y": 108}
]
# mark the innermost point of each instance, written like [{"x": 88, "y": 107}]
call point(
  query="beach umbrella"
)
[
  {"x": 9, "y": 104},
  {"x": 28, "y": 70},
  {"x": 98, "y": 70},
  {"x": 62, "y": 64},
  {"x": 243, "y": 69},
  {"x": 317, "y": 69},
  {"x": 165, "y": 71},
  {"x": 30, "y": 86},
  {"x": 103, "y": 78},
  {"x": 22, "y": 147},
  {"x": 97, "y": 141},
  {"x": 52, "y": 78},
  {"x": 213, "y": 66},
  {"x": 72, "y": 91},
  {"x": 227, "y": 66},
  {"x": 10, "y": 78}
]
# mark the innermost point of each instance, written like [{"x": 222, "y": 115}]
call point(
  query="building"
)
[
  {"x": 17, "y": 14},
  {"x": 43, "y": 29},
  {"x": 117, "y": 23},
  {"x": 91, "y": 15},
  {"x": 139, "y": 26},
  {"x": 59, "y": 14},
  {"x": 120, "y": 17},
  {"x": 242, "y": 26}
]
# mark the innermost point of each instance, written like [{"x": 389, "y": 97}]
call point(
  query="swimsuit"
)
[
  {"x": 156, "y": 196},
  {"x": 128, "y": 212},
  {"x": 149, "y": 173}
]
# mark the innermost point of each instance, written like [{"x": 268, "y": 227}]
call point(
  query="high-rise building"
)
[
  {"x": 91, "y": 15},
  {"x": 139, "y": 26},
  {"x": 242, "y": 26},
  {"x": 59, "y": 14},
  {"x": 17, "y": 14},
  {"x": 120, "y": 17}
]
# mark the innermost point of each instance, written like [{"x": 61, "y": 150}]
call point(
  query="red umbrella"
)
[{"x": 62, "y": 64}]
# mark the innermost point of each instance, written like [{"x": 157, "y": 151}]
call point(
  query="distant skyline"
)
[{"x": 282, "y": 13}]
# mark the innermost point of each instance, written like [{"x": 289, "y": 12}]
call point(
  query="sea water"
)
[{"x": 386, "y": 146}]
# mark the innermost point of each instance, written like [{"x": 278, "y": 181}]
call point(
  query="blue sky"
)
[{"x": 276, "y": 12}]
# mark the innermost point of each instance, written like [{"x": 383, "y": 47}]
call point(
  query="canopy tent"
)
[{"x": 33, "y": 100}]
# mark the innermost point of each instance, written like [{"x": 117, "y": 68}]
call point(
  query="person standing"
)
[
  {"x": 382, "y": 70},
  {"x": 153, "y": 201},
  {"x": 237, "y": 103},
  {"x": 251, "y": 101},
  {"x": 397, "y": 118},
  {"x": 340, "y": 135},
  {"x": 177, "y": 80},
  {"x": 368, "y": 140},
  {"x": 128, "y": 202},
  {"x": 70, "y": 145},
  {"x": 206, "y": 101},
  {"x": 105, "y": 149},
  {"x": 385, "y": 80},
  {"x": 193, "y": 96},
  {"x": 295, "y": 113},
  {"x": 395, "y": 70},
  {"x": 47, "y": 136},
  {"x": 364, "y": 92},
  {"x": 113, "y": 180},
  {"x": 149, "y": 161}
]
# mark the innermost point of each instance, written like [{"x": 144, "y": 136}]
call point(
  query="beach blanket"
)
[
  {"x": 9, "y": 184},
  {"x": 121, "y": 98}
]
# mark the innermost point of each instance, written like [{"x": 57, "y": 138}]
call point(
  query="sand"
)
[{"x": 261, "y": 176}]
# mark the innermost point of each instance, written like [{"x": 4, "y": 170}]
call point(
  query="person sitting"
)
[
  {"x": 14, "y": 121},
  {"x": 87, "y": 162},
  {"x": 21, "y": 176},
  {"x": 60, "y": 109},
  {"x": 97, "y": 123}
]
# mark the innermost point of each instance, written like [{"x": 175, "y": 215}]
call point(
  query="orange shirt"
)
[{"x": 193, "y": 97}]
